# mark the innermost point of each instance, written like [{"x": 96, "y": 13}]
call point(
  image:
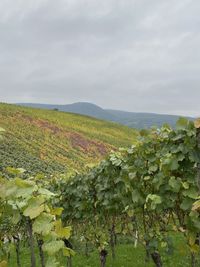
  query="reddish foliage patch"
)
[
  {"x": 46, "y": 125},
  {"x": 77, "y": 140},
  {"x": 87, "y": 145}
]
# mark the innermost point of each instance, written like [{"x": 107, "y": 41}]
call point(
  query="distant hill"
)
[
  {"x": 130, "y": 119},
  {"x": 50, "y": 141},
  {"x": 83, "y": 108}
]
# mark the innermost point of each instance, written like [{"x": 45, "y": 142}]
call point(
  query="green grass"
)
[
  {"x": 48, "y": 140},
  {"x": 126, "y": 256}
]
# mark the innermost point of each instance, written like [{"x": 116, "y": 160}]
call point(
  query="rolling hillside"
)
[
  {"x": 47, "y": 141},
  {"x": 138, "y": 120}
]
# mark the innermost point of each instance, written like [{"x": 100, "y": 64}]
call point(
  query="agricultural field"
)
[
  {"x": 140, "y": 206},
  {"x": 48, "y": 141}
]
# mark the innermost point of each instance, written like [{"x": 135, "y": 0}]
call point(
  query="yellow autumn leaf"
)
[
  {"x": 3, "y": 264},
  {"x": 197, "y": 123}
]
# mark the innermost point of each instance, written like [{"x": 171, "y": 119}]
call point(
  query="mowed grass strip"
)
[{"x": 126, "y": 256}]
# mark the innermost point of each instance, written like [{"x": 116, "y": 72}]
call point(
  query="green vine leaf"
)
[{"x": 53, "y": 247}]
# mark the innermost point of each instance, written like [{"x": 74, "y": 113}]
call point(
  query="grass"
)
[
  {"x": 48, "y": 140},
  {"x": 126, "y": 256}
]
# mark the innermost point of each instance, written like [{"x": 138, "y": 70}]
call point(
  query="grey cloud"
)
[{"x": 136, "y": 55}]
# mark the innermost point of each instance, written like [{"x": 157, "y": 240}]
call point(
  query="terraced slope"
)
[{"x": 47, "y": 141}]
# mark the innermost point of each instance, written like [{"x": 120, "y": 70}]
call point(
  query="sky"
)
[{"x": 134, "y": 55}]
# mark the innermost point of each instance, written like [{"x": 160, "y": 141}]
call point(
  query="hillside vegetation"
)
[
  {"x": 138, "y": 207},
  {"x": 139, "y": 120},
  {"x": 46, "y": 140}
]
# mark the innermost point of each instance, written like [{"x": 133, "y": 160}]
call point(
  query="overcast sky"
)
[{"x": 135, "y": 55}]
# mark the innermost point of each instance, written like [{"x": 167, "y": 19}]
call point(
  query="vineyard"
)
[
  {"x": 143, "y": 200},
  {"x": 48, "y": 141}
]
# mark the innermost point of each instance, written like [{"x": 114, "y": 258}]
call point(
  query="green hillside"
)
[
  {"x": 47, "y": 141},
  {"x": 138, "y": 120}
]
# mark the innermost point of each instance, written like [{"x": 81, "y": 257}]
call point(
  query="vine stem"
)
[
  {"x": 40, "y": 243},
  {"x": 193, "y": 261},
  {"x": 31, "y": 242},
  {"x": 112, "y": 239},
  {"x": 17, "y": 249},
  {"x": 103, "y": 255},
  {"x": 198, "y": 165},
  {"x": 156, "y": 259}
]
